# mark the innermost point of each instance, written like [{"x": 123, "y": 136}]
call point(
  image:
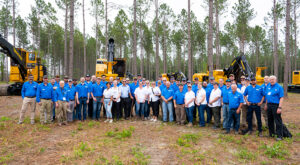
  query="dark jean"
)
[
  {"x": 189, "y": 113},
  {"x": 82, "y": 104},
  {"x": 233, "y": 118},
  {"x": 225, "y": 109},
  {"x": 274, "y": 117},
  {"x": 208, "y": 113},
  {"x": 201, "y": 109},
  {"x": 146, "y": 109},
  {"x": 97, "y": 108},
  {"x": 257, "y": 111},
  {"x": 139, "y": 109}
]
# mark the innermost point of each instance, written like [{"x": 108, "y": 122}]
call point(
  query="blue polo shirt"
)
[
  {"x": 195, "y": 88},
  {"x": 167, "y": 93},
  {"x": 133, "y": 87},
  {"x": 185, "y": 87},
  {"x": 82, "y": 90},
  {"x": 179, "y": 97},
  {"x": 239, "y": 86},
  {"x": 255, "y": 94},
  {"x": 71, "y": 92},
  {"x": 225, "y": 93},
  {"x": 61, "y": 94},
  {"x": 29, "y": 89},
  {"x": 208, "y": 91},
  {"x": 44, "y": 92},
  {"x": 175, "y": 87},
  {"x": 273, "y": 93},
  {"x": 103, "y": 83},
  {"x": 97, "y": 90},
  {"x": 162, "y": 87},
  {"x": 235, "y": 99},
  {"x": 264, "y": 87},
  {"x": 223, "y": 86}
]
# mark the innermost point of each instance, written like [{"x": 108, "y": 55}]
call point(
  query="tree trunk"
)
[
  {"x": 106, "y": 35},
  {"x": 156, "y": 42},
  {"x": 287, "y": 47},
  {"x": 275, "y": 52},
  {"x": 142, "y": 49},
  {"x": 96, "y": 31},
  {"x": 148, "y": 66},
  {"x": 295, "y": 35},
  {"x": 178, "y": 50},
  {"x": 164, "y": 47},
  {"x": 84, "y": 41},
  {"x": 71, "y": 38},
  {"x": 210, "y": 39},
  {"x": 257, "y": 54},
  {"x": 134, "y": 39},
  {"x": 189, "y": 43},
  {"x": 218, "y": 49},
  {"x": 184, "y": 63},
  {"x": 66, "y": 41},
  {"x": 13, "y": 22}
]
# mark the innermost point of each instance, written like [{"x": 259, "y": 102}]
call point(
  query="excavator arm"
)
[
  {"x": 15, "y": 55},
  {"x": 239, "y": 67}
]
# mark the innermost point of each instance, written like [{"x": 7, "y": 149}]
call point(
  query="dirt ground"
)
[{"x": 139, "y": 142}]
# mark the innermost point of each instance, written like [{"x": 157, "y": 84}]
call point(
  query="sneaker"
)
[
  {"x": 20, "y": 122},
  {"x": 154, "y": 120},
  {"x": 106, "y": 121},
  {"x": 111, "y": 121},
  {"x": 190, "y": 125},
  {"x": 236, "y": 132},
  {"x": 32, "y": 122},
  {"x": 151, "y": 119},
  {"x": 260, "y": 134}
]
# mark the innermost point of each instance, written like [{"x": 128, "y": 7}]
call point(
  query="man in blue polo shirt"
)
[
  {"x": 235, "y": 104},
  {"x": 28, "y": 92},
  {"x": 264, "y": 113},
  {"x": 82, "y": 96},
  {"x": 167, "y": 105},
  {"x": 103, "y": 81},
  {"x": 71, "y": 95},
  {"x": 133, "y": 86},
  {"x": 61, "y": 99},
  {"x": 97, "y": 94},
  {"x": 45, "y": 97},
  {"x": 274, "y": 95},
  {"x": 179, "y": 105},
  {"x": 254, "y": 100},
  {"x": 225, "y": 102}
]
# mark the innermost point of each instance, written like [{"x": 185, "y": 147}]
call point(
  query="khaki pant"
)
[
  {"x": 61, "y": 111},
  {"x": 264, "y": 113},
  {"x": 244, "y": 117},
  {"x": 46, "y": 108},
  {"x": 180, "y": 114},
  {"x": 26, "y": 102}
]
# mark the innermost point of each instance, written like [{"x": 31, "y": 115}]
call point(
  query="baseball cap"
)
[
  {"x": 253, "y": 79},
  {"x": 160, "y": 75},
  {"x": 196, "y": 78},
  {"x": 248, "y": 79},
  {"x": 45, "y": 77},
  {"x": 215, "y": 83},
  {"x": 243, "y": 77},
  {"x": 66, "y": 77},
  {"x": 183, "y": 79},
  {"x": 189, "y": 81},
  {"x": 88, "y": 75},
  {"x": 134, "y": 78},
  {"x": 127, "y": 79},
  {"x": 57, "y": 76},
  {"x": 189, "y": 85},
  {"x": 70, "y": 80},
  {"x": 180, "y": 84},
  {"x": 172, "y": 78},
  {"x": 117, "y": 78},
  {"x": 231, "y": 75},
  {"x": 228, "y": 80}
]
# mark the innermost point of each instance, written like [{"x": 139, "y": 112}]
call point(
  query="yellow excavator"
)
[
  {"x": 23, "y": 63},
  {"x": 238, "y": 67},
  {"x": 111, "y": 67},
  {"x": 295, "y": 86}
]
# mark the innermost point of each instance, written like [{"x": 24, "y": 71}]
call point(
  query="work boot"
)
[
  {"x": 260, "y": 134},
  {"x": 20, "y": 122}
]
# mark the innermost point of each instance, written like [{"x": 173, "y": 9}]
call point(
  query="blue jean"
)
[
  {"x": 233, "y": 118},
  {"x": 139, "y": 109},
  {"x": 201, "y": 109},
  {"x": 97, "y": 108},
  {"x": 257, "y": 111},
  {"x": 108, "y": 108},
  {"x": 225, "y": 108},
  {"x": 147, "y": 109},
  {"x": 208, "y": 114},
  {"x": 82, "y": 104},
  {"x": 189, "y": 113},
  {"x": 167, "y": 107}
]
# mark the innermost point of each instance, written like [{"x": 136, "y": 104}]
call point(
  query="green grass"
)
[
  {"x": 81, "y": 149},
  {"x": 244, "y": 154},
  {"x": 140, "y": 158},
  {"x": 5, "y": 158},
  {"x": 80, "y": 127},
  {"x": 277, "y": 150},
  {"x": 186, "y": 139},
  {"x": 125, "y": 133},
  {"x": 4, "y": 118}
]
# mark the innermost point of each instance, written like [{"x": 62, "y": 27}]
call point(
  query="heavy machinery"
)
[
  {"x": 177, "y": 75},
  {"x": 295, "y": 86},
  {"x": 111, "y": 67},
  {"x": 23, "y": 63},
  {"x": 238, "y": 67}
]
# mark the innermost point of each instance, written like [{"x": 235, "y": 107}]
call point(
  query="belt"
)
[
  {"x": 72, "y": 100},
  {"x": 273, "y": 103},
  {"x": 253, "y": 103},
  {"x": 45, "y": 99},
  {"x": 98, "y": 96},
  {"x": 30, "y": 96},
  {"x": 124, "y": 97},
  {"x": 180, "y": 104},
  {"x": 106, "y": 98},
  {"x": 82, "y": 97},
  {"x": 226, "y": 103}
]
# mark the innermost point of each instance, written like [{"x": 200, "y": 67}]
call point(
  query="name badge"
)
[
  {"x": 64, "y": 98},
  {"x": 269, "y": 93}
]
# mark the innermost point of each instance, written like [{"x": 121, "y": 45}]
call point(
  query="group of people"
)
[{"x": 179, "y": 100}]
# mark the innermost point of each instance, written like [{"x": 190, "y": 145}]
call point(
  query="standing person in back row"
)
[
  {"x": 274, "y": 95},
  {"x": 254, "y": 100},
  {"x": 225, "y": 103},
  {"x": 28, "y": 92},
  {"x": 215, "y": 104}
]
